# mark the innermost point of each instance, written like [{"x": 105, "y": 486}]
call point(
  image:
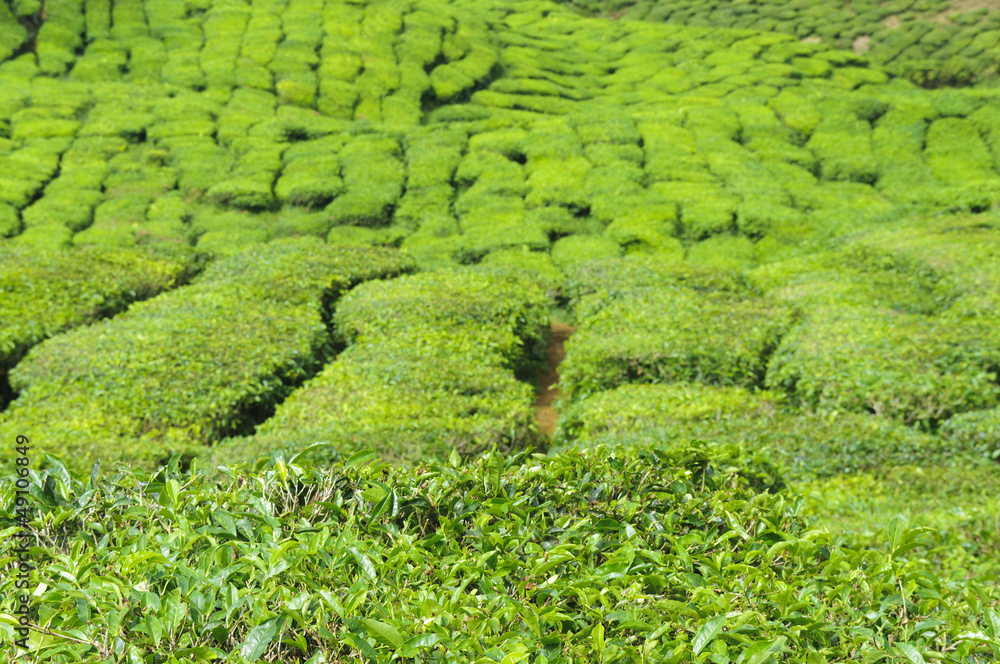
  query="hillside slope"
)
[{"x": 317, "y": 236}]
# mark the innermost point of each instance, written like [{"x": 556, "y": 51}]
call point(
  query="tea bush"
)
[
  {"x": 934, "y": 44},
  {"x": 252, "y": 327},
  {"x": 373, "y": 176},
  {"x": 979, "y": 428},
  {"x": 660, "y": 335},
  {"x": 903, "y": 365},
  {"x": 863, "y": 275},
  {"x": 797, "y": 447},
  {"x": 311, "y": 173},
  {"x": 603, "y": 534},
  {"x": 955, "y": 503},
  {"x": 12, "y": 34},
  {"x": 430, "y": 363},
  {"x": 45, "y": 293},
  {"x": 622, "y": 307}
]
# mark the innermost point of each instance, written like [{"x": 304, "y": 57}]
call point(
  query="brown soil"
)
[
  {"x": 549, "y": 379},
  {"x": 861, "y": 44},
  {"x": 892, "y": 22}
]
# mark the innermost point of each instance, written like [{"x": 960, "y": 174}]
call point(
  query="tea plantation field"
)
[
  {"x": 278, "y": 283},
  {"x": 931, "y": 42}
]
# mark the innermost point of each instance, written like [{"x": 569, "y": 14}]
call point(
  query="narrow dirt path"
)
[{"x": 547, "y": 389}]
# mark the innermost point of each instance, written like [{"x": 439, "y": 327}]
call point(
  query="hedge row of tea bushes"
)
[
  {"x": 607, "y": 555},
  {"x": 801, "y": 446},
  {"x": 957, "y": 500},
  {"x": 433, "y": 154},
  {"x": 900, "y": 322},
  {"x": 872, "y": 327},
  {"x": 907, "y": 366},
  {"x": 202, "y": 361},
  {"x": 895, "y": 326},
  {"x": 493, "y": 208},
  {"x": 432, "y": 363},
  {"x": 933, "y": 42},
  {"x": 740, "y": 132},
  {"x": 45, "y": 293},
  {"x": 755, "y": 172},
  {"x": 856, "y": 470},
  {"x": 940, "y": 273},
  {"x": 367, "y": 62},
  {"x": 642, "y": 319}
]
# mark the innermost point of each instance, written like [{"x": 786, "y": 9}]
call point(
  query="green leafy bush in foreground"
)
[
  {"x": 959, "y": 503},
  {"x": 611, "y": 555}
]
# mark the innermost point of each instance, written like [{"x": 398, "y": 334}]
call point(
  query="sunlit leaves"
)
[{"x": 609, "y": 553}]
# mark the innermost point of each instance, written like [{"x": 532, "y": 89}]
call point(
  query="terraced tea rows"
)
[
  {"x": 520, "y": 135},
  {"x": 932, "y": 42},
  {"x": 351, "y": 224},
  {"x": 661, "y": 132}
]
